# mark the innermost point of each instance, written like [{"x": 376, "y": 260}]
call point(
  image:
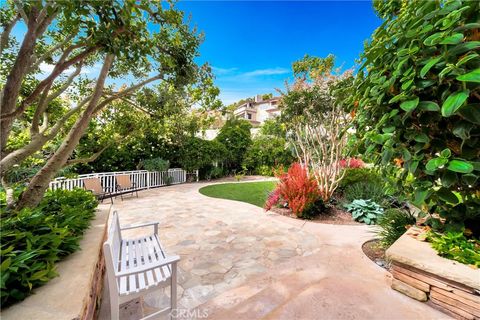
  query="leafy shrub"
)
[
  {"x": 264, "y": 170},
  {"x": 353, "y": 175},
  {"x": 364, "y": 190},
  {"x": 196, "y": 153},
  {"x": 235, "y": 137},
  {"x": 415, "y": 103},
  {"x": 267, "y": 152},
  {"x": 239, "y": 176},
  {"x": 352, "y": 163},
  {"x": 215, "y": 173},
  {"x": 32, "y": 240},
  {"x": 169, "y": 179},
  {"x": 298, "y": 189},
  {"x": 455, "y": 246},
  {"x": 366, "y": 211},
  {"x": 314, "y": 209},
  {"x": 156, "y": 164},
  {"x": 393, "y": 224}
]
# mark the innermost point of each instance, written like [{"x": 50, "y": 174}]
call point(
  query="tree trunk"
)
[
  {"x": 35, "y": 190},
  {"x": 14, "y": 80},
  {"x": 17, "y": 156}
]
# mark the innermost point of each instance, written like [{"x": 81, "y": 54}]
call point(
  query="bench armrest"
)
[
  {"x": 168, "y": 260},
  {"x": 142, "y": 225}
]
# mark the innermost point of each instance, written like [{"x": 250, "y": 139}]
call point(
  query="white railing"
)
[{"x": 143, "y": 179}]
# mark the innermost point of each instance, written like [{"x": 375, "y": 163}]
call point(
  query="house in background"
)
[{"x": 257, "y": 110}]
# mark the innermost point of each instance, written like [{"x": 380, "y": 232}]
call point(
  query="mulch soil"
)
[
  {"x": 375, "y": 252},
  {"x": 333, "y": 215}
]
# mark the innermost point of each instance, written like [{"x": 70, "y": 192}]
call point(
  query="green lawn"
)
[{"x": 251, "y": 192}]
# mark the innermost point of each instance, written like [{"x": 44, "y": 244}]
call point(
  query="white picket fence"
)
[{"x": 143, "y": 179}]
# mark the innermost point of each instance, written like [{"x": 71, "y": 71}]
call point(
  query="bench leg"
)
[
  {"x": 173, "y": 292},
  {"x": 114, "y": 308}
]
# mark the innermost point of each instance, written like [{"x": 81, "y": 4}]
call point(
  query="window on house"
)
[{"x": 249, "y": 116}]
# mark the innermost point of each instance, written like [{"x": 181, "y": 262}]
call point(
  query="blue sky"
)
[{"x": 252, "y": 44}]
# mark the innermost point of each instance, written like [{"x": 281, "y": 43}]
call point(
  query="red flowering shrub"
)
[
  {"x": 298, "y": 189},
  {"x": 273, "y": 199},
  {"x": 352, "y": 163}
]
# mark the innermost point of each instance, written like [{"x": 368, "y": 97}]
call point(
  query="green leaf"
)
[
  {"x": 454, "y": 102},
  {"x": 460, "y": 166},
  {"x": 428, "y": 66},
  {"x": 428, "y": 106},
  {"x": 448, "y": 178},
  {"x": 453, "y": 39},
  {"x": 433, "y": 39},
  {"x": 447, "y": 195},
  {"x": 407, "y": 84},
  {"x": 409, "y": 105},
  {"x": 5, "y": 264},
  {"x": 446, "y": 153},
  {"x": 470, "y": 178},
  {"x": 420, "y": 196},
  {"x": 473, "y": 76},
  {"x": 471, "y": 113},
  {"x": 466, "y": 59},
  {"x": 434, "y": 164},
  {"x": 422, "y": 137},
  {"x": 462, "y": 130},
  {"x": 406, "y": 155},
  {"x": 463, "y": 47}
]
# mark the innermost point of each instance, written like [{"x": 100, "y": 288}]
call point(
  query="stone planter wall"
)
[
  {"x": 420, "y": 273},
  {"x": 454, "y": 298},
  {"x": 75, "y": 293}
]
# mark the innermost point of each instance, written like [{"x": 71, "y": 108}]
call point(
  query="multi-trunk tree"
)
[
  {"x": 317, "y": 121},
  {"x": 138, "y": 41}
]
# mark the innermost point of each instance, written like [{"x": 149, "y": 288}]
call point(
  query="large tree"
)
[
  {"x": 139, "y": 41},
  {"x": 416, "y": 103}
]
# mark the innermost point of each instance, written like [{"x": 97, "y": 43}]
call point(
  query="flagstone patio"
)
[{"x": 238, "y": 262}]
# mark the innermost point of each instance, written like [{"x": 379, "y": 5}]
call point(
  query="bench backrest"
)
[
  {"x": 111, "y": 251},
  {"x": 124, "y": 181},
  {"x": 94, "y": 185}
]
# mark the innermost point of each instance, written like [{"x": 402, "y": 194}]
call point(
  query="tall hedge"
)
[{"x": 417, "y": 102}]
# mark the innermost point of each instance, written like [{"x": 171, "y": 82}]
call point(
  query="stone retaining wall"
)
[
  {"x": 420, "y": 273},
  {"x": 454, "y": 298}
]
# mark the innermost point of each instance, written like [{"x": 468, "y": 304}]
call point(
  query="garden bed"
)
[
  {"x": 333, "y": 215},
  {"x": 375, "y": 252},
  {"x": 421, "y": 274},
  {"x": 74, "y": 294}
]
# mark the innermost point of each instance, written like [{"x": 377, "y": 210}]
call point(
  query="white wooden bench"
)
[{"x": 137, "y": 266}]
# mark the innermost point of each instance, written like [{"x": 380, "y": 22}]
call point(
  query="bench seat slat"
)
[
  {"x": 149, "y": 275},
  {"x": 142, "y": 251},
  {"x": 140, "y": 262}
]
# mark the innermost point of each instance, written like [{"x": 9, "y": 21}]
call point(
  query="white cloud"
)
[
  {"x": 266, "y": 72},
  {"x": 46, "y": 69},
  {"x": 223, "y": 71},
  {"x": 250, "y": 75}
]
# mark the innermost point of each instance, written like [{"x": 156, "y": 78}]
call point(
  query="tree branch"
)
[
  {"x": 48, "y": 53},
  {"x": 44, "y": 83},
  {"x": 22, "y": 13},
  {"x": 6, "y": 33},
  {"x": 56, "y": 128},
  {"x": 126, "y": 92},
  {"x": 45, "y": 100},
  {"x": 93, "y": 157}
]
